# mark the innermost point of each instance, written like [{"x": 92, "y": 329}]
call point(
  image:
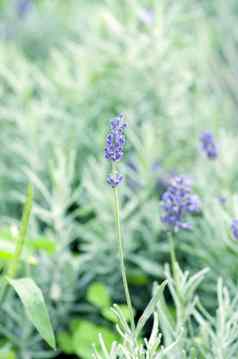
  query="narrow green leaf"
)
[
  {"x": 98, "y": 295},
  {"x": 16, "y": 256},
  {"x": 42, "y": 243},
  {"x": 34, "y": 304},
  {"x": 110, "y": 315},
  {"x": 150, "y": 308},
  {"x": 22, "y": 233}
]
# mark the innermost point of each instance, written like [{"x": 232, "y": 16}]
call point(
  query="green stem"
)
[
  {"x": 177, "y": 279},
  {"x": 121, "y": 254},
  {"x": 12, "y": 269},
  {"x": 174, "y": 264},
  {"x": 172, "y": 254}
]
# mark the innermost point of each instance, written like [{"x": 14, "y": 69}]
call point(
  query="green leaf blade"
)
[
  {"x": 150, "y": 308},
  {"x": 12, "y": 270},
  {"x": 34, "y": 304},
  {"x": 98, "y": 295}
]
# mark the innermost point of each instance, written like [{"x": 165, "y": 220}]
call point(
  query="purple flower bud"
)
[
  {"x": 234, "y": 228},
  {"x": 222, "y": 200},
  {"x": 209, "y": 146},
  {"x": 179, "y": 201},
  {"x": 114, "y": 180}
]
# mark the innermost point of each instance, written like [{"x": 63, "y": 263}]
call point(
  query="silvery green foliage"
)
[
  {"x": 52, "y": 128},
  {"x": 150, "y": 349},
  {"x": 50, "y": 118},
  {"x": 55, "y": 273},
  {"x": 132, "y": 346},
  {"x": 182, "y": 287},
  {"x": 173, "y": 332},
  {"x": 211, "y": 337},
  {"x": 218, "y": 335}
]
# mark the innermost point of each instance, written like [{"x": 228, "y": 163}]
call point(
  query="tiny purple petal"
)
[
  {"x": 234, "y": 228},
  {"x": 208, "y": 145},
  {"x": 222, "y": 200}
]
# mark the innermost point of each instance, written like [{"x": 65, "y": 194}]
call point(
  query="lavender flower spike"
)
[
  {"x": 234, "y": 228},
  {"x": 116, "y": 139},
  {"x": 114, "y": 149},
  {"x": 209, "y": 146},
  {"x": 177, "y": 202}
]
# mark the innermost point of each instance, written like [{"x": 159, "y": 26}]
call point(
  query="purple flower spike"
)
[
  {"x": 114, "y": 180},
  {"x": 209, "y": 146},
  {"x": 234, "y": 228},
  {"x": 115, "y": 141},
  {"x": 179, "y": 201},
  {"x": 114, "y": 149}
]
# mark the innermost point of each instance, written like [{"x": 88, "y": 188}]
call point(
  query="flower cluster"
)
[
  {"x": 114, "y": 149},
  {"x": 234, "y": 228},
  {"x": 177, "y": 202},
  {"x": 116, "y": 139},
  {"x": 208, "y": 145}
]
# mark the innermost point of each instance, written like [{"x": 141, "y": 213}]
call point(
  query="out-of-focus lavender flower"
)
[
  {"x": 209, "y": 146},
  {"x": 114, "y": 180},
  {"x": 147, "y": 16},
  {"x": 114, "y": 149},
  {"x": 133, "y": 178},
  {"x": 156, "y": 166},
  {"x": 234, "y": 228},
  {"x": 23, "y": 7},
  {"x": 132, "y": 166},
  {"x": 179, "y": 201},
  {"x": 115, "y": 142},
  {"x": 222, "y": 200}
]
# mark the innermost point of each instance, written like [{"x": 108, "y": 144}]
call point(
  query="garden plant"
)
[{"x": 132, "y": 254}]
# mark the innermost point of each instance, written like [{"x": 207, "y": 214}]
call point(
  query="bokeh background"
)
[{"x": 66, "y": 68}]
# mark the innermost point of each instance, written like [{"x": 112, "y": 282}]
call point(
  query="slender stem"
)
[
  {"x": 121, "y": 254},
  {"x": 174, "y": 264},
  {"x": 175, "y": 267},
  {"x": 22, "y": 234},
  {"x": 13, "y": 266},
  {"x": 172, "y": 253}
]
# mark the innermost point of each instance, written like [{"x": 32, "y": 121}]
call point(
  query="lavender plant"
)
[
  {"x": 177, "y": 203},
  {"x": 114, "y": 151},
  {"x": 131, "y": 347},
  {"x": 72, "y": 212}
]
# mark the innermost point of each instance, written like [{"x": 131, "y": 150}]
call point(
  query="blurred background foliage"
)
[{"x": 67, "y": 67}]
